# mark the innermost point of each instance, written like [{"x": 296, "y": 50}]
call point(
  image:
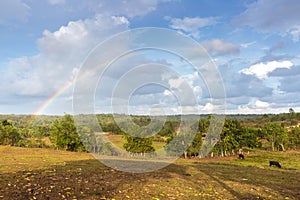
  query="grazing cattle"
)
[
  {"x": 275, "y": 163},
  {"x": 241, "y": 156}
]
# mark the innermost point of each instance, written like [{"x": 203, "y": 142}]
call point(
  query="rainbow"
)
[
  {"x": 49, "y": 101},
  {"x": 56, "y": 94},
  {"x": 60, "y": 91}
]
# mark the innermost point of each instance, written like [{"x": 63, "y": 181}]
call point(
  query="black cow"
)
[
  {"x": 241, "y": 156},
  {"x": 275, "y": 163}
]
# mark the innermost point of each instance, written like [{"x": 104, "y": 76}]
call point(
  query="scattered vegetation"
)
[
  {"x": 268, "y": 132},
  {"x": 58, "y": 167},
  {"x": 36, "y": 173}
]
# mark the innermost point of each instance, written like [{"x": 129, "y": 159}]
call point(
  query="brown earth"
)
[{"x": 185, "y": 179}]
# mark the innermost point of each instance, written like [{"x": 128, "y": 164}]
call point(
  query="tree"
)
[
  {"x": 249, "y": 138},
  {"x": 291, "y": 111},
  {"x": 212, "y": 138},
  {"x": 177, "y": 145},
  {"x": 294, "y": 137},
  {"x": 108, "y": 149},
  {"x": 203, "y": 126},
  {"x": 139, "y": 140},
  {"x": 228, "y": 138},
  {"x": 9, "y": 134},
  {"x": 63, "y": 134},
  {"x": 196, "y": 145},
  {"x": 276, "y": 135},
  {"x": 292, "y": 116},
  {"x": 169, "y": 128},
  {"x": 138, "y": 145}
]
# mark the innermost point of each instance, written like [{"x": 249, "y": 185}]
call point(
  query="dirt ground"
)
[{"x": 191, "y": 179}]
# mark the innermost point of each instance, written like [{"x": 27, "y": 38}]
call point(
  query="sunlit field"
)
[{"x": 32, "y": 173}]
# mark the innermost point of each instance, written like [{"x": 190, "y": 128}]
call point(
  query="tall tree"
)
[
  {"x": 203, "y": 126},
  {"x": 196, "y": 145},
  {"x": 249, "y": 138},
  {"x": 187, "y": 141},
  {"x": 292, "y": 116},
  {"x": 138, "y": 145},
  {"x": 228, "y": 138},
  {"x": 276, "y": 135},
  {"x": 9, "y": 134},
  {"x": 63, "y": 134},
  {"x": 294, "y": 137},
  {"x": 177, "y": 145}
]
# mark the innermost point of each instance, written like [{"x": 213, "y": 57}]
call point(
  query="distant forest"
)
[{"x": 274, "y": 132}]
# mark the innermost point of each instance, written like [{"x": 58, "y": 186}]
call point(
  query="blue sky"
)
[{"x": 254, "y": 44}]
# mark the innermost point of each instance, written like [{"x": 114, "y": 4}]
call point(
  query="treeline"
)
[{"x": 271, "y": 132}]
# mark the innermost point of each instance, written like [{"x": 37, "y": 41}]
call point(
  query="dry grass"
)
[
  {"x": 13, "y": 159},
  {"x": 51, "y": 174}
]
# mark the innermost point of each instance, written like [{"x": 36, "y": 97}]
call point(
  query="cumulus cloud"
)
[
  {"x": 176, "y": 83},
  {"x": 261, "y": 104},
  {"x": 261, "y": 70},
  {"x": 191, "y": 26},
  {"x": 255, "y": 106},
  {"x": 13, "y": 11},
  {"x": 61, "y": 54},
  {"x": 272, "y": 16},
  {"x": 240, "y": 86},
  {"x": 220, "y": 47},
  {"x": 209, "y": 108}
]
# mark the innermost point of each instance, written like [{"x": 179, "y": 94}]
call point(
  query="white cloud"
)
[
  {"x": 176, "y": 83},
  {"x": 56, "y": 2},
  {"x": 70, "y": 43},
  {"x": 13, "y": 11},
  {"x": 61, "y": 54},
  {"x": 295, "y": 32},
  {"x": 167, "y": 93},
  {"x": 220, "y": 47},
  {"x": 192, "y": 26},
  {"x": 246, "y": 45},
  {"x": 272, "y": 16},
  {"x": 239, "y": 86},
  {"x": 129, "y": 8},
  {"x": 261, "y": 70},
  {"x": 255, "y": 106},
  {"x": 208, "y": 108},
  {"x": 261, "y": 104}
]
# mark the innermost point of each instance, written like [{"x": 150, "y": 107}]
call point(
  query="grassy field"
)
[{"x": 51, "y": 174}]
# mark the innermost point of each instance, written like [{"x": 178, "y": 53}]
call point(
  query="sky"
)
[{"x": 252, "y": 46}]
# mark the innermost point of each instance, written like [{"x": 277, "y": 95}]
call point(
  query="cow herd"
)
[{"x": 271, "y": 163}]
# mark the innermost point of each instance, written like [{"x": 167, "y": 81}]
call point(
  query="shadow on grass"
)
[
  {"x": 75, "y": 180},
  {"x": 89, "y": 179},
  {"x": 283, "y": 182},
  {"x": 233, "y": 192}
]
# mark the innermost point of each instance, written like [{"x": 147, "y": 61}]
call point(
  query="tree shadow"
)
[
  {"x": 283, "y": 182},
  {"x": 238, "y": 195},
  {"x": 90, "y": 179}
]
